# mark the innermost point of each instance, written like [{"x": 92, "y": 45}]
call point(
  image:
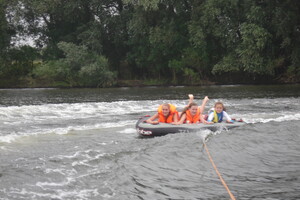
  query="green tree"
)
[
  {"x": 21, "y": 60},
  {"x": 52, "y": 21},
  {"x": 96, "y": 74},
  {"x": 111, "y": 24},
  {"x": 5, "y": 37},
  {"x": 5, "y": 31},
  {"x": 285, "y": 25},
  {"x": 79, "y": 67},
  {"x": 181, "y": 41},
  {"x": 157, "y": 37}
]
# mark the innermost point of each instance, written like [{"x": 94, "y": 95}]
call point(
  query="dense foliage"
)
[{"x": 94, "y": 43}]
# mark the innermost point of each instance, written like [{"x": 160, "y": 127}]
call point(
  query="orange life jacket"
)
[
  {"x": 170, "y": 117},
  {"x": 192, "y": 119}
]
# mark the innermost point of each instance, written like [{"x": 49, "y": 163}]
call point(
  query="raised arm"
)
[
  {"x": 202, "y": 107},
  {"x": 191, "y": 99}
]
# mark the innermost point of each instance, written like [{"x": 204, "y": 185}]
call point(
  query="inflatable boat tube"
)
[{"x": 149, "y": 130}]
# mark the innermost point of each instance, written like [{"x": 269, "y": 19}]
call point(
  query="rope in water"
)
[{"x": 218, "y": 173}]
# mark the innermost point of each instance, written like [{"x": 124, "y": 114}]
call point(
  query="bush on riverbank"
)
[{"x": 79, "y": 68}]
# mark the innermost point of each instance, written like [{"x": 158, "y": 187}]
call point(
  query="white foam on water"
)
[
  {"x": 203, "y": 134},
  {"x": 70, "y": 111},
  {"x": 8, "y": 138},
  {"x": 128, "y": 130},
  {"x": 29, "y": 120},
  {"x": 53, "y": 184},
  {"x": 83, "y": 194},
  {"x": 269, "y": 117},
  {"x": 62, "y": 131},
  {"x": 206, "y": 133},
  {"x": 114, "y": 124},
  {"x": 83, "y": 156},
  {"x": 81, "y": 163},
  {"x": 59, "y": 171}
]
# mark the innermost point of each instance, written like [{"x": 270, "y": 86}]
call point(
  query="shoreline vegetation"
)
[
  {"x": 30, "y": 83},
  {"x": 117, "y": 43},
  {"x": 40, "y": 83}
]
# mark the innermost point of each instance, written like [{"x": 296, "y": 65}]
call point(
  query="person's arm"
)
[
  {"x": 182, "y": 118},
  {"x": 204, "y": 101},
  {"x": 203, "y": 120},
  {"x": 226, "y": 116},
  {"x": 191, "y": 99},
  {"x": 151, "y": 119},
  {"x": 210, "y": 117},
  {"x": 175, "y": 117}
]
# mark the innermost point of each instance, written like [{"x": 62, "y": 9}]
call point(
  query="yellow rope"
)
[{"x": 218, "y": 173}]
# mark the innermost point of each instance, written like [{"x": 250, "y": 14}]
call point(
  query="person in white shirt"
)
[{"x": 218, "y": 114}]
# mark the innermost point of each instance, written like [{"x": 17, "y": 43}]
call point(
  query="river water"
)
[{"x": 82, "y": 144}]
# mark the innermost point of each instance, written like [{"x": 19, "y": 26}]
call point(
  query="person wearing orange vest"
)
[
  {"x": 166, "y": 113},
  {"x": 192, "y": 113}
]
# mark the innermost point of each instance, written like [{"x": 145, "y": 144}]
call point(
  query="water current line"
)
[{"x": 217, "y": 171}]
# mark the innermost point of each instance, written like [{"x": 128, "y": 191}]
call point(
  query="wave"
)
[
  {"x": 27, "y": 120},
  {"x": 39, "y": 130}
]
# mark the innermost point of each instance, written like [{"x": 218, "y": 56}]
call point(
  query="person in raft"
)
[
  {"x": 166, "y": 113},
  {"x": 192, "y": 113},
  {"x": 218, "y": 113}
]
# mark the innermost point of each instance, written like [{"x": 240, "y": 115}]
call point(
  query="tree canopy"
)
[{"x": 95, "y": 43}]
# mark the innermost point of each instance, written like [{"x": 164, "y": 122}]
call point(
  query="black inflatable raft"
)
[{"x": 149, "y": 130}]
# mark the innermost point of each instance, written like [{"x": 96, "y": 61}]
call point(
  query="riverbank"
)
[
  {"x": 42, "y": 83},
  {"x": 28, "y": 82}
]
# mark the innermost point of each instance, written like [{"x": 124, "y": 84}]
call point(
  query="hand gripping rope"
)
[{"x": 218, "y": 173}]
